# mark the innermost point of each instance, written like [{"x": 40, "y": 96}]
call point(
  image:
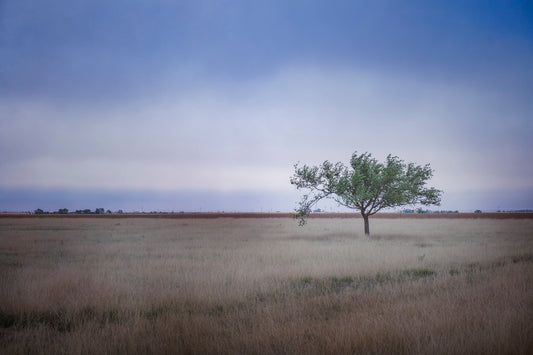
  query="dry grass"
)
[{"x": 266, "y": 286}]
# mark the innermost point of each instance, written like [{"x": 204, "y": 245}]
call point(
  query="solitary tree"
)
[{"x": 365, "y": 185}]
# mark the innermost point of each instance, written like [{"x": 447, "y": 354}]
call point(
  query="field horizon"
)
[
  {"x": 265, "y": 285},
  {"x": 279, "y": 214}
]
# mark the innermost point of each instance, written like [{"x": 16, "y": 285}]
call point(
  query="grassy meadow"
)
[{"x": 266, "y": 286}]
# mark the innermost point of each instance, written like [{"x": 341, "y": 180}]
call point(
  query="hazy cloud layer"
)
[{"x": 249, "y": 137}]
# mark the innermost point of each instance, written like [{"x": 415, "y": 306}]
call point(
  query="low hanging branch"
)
[{"x": 365, "y": 185}]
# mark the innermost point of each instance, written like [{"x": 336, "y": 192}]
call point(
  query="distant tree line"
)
[
  {"x": 516, "y": 211},
  {"x": 318, "y": 210},
  {"x": 85, "y": 211},
  {"x": 420, "y": 210}
]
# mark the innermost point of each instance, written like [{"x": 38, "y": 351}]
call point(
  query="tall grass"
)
[{"x": 265, "y": 286}]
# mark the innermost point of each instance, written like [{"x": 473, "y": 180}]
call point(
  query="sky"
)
[{"x": 205, "y": 105}]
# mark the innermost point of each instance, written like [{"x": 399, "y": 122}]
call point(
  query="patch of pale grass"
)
[{"x": 266, "y": 285}]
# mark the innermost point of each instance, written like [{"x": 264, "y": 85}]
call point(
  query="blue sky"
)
[{"x": 207, "y": 105}]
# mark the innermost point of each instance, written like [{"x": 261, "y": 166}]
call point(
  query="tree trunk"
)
[{"x": 367, "y": 227}]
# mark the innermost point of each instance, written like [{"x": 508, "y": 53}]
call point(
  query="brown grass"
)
[{"x": 235, "y": 285}]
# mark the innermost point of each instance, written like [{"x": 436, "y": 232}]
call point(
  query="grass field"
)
[{"x": 265, "y": 285}]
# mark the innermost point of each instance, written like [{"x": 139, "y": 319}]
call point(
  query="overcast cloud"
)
[{"x": 195, "y": 99}]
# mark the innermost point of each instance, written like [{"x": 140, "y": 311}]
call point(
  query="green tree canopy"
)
[{"x": 365, "y": 185}]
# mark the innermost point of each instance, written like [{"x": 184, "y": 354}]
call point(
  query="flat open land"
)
[{"x": 265, "y": 285}]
